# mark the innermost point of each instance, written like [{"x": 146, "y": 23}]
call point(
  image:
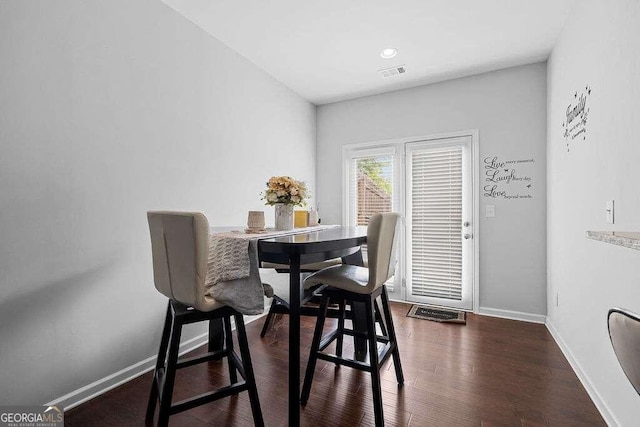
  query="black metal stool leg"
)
[
  {"x": 248, "y": 371},
  {"x": 170, "y": 372},
  {"x": 373, "y": 361},
  {"x": 162, "y": 355},
  {"x": 379, "y": 319},
  {"x": 313, "y": 355},
  {"x": 340, "y": 338},
  {"x": 392, "y": 337},
  {"x": 267, "y": 321},
  {"x": 228, "y": 337}
]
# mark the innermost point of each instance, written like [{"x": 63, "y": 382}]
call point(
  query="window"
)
[{"x": 371, "y": 180}]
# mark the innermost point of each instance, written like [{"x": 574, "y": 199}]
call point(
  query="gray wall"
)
[
  {"x": 509, "y": 109},
  {"x": 109, "y": 109},
  {"x": 599, "y": 47}
]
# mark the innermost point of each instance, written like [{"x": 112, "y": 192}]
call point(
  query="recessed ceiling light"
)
[{"x": 388, "y": 52}]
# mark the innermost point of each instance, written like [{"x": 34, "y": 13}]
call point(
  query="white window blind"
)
[{"x": 436, "y": 222}]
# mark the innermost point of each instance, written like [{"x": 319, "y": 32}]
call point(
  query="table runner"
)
[{"x": 233, "y": 271}]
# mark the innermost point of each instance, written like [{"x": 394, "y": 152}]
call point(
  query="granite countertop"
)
[{"x": 628, "y": 239}]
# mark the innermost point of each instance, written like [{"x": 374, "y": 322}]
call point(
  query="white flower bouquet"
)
[{"x": 284, "y": 189}]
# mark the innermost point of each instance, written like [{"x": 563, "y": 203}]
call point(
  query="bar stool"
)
[
  {"x": 347, "y": 284},
  {"x": 310, "y": 301},
  {"x": 624, "y": 332},
  {"x": 180, "y": 248}
]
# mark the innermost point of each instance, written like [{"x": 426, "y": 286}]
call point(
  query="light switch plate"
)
[
  {"x": 490, "y": 211},
  {"x": 610, "y": 212}
]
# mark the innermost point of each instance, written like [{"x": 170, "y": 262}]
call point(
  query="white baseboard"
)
[
  {"x": 608, "y": 416},
  {"x": 513, "y": 315},
  {"x": 103, "y": 385}
]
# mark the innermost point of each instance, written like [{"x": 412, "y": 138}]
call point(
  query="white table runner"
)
[{"x": 233, "y": 271}]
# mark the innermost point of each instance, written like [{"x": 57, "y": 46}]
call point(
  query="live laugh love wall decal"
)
[
  {"x": 575, "y": 124},
  {"x": 507, "y": 179}
]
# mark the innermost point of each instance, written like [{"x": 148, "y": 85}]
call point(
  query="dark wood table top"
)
[{"x": 327, "y": 239}]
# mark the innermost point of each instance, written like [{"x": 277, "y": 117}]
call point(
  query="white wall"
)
[
  {"x": 508, "y": 107},
  {"x": 109, "y": 109},
  {"x": 600, "y": 47}
]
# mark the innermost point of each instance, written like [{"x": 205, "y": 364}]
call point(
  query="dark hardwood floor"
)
[{"x": 489, "y": 372}]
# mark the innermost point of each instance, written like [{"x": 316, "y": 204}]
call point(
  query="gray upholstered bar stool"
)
[
  {"x": 180, "y": 248},
  {"x": 280, "y": 305},
  {"x": 347, "y": 284},
  {"x": 624, "y": 331}
]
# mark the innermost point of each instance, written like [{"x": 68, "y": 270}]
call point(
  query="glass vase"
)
[{"x": 284, "y": 216}]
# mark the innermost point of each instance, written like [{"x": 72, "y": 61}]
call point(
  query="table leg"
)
[
  {"x": 295, "y": 296},
  {"x": 216, "y": 335},
  {"x": 359, "y": 312},
  {"x": 354, "y": 259}
]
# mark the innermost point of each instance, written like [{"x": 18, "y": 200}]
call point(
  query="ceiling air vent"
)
[{"x": 394, "y": 71}]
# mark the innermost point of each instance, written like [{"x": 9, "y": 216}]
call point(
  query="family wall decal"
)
[{"x": 575, "y": 124}]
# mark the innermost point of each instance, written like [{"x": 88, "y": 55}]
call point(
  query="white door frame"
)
[{"x": 349, "y": 150}]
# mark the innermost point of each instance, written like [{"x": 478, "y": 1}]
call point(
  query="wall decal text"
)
[
  {"x": 507, "y": 179},
  {"x": 575, "y": 122}
]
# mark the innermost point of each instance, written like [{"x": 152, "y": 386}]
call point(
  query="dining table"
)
[{"x": 306, "y": 248}]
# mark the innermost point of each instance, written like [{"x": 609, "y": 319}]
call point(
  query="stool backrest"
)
[
  {"x": 180, "y": 249},
  {"x": 381, "y": 247},
  {"x": 624, "y": 331}
]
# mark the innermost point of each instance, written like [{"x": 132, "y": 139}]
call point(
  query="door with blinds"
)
[{"x": 439, "y": 199}]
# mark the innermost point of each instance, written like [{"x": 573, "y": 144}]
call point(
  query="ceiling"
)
[{"x": 329, "y": 50}]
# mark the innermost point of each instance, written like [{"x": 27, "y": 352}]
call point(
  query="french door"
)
[
  {"x": 439, "y": 235},
  {"x": 430, "y": 182}
]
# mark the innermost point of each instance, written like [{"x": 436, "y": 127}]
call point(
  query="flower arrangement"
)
[{"x": 284, "y": 189}]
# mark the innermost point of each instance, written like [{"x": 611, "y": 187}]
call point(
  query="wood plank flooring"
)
[{"x": 489, "y": 372}]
